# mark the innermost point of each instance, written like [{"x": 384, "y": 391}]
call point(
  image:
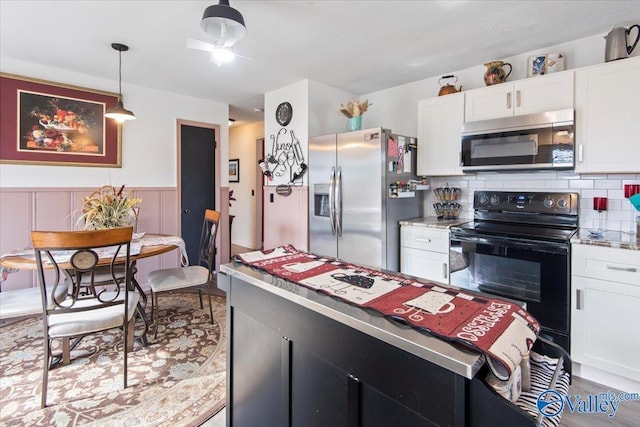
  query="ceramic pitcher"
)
[{"x": 495, "y": 72}]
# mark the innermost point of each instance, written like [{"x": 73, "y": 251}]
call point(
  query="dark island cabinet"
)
[
  {"x": 290, "y": 366},
  {"x": 299, "y": 358}
]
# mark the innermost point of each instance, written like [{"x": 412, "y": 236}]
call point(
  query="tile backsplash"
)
[{"x": 618, "y": 217}]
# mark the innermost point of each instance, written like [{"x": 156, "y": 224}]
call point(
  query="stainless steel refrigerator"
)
[{"x": 352, "y": 214}]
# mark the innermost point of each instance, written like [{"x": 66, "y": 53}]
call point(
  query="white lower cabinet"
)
[
  {"x": 605, "y": 309},
  {"x": 424, "y": 253}
]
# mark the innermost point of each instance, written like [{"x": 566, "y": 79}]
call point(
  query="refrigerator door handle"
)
[
  {"x": 338, "y": 202},
  {"x": 332, "y": 201}
]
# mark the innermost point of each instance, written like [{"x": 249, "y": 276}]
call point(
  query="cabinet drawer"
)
[
  {"x": 430, "y": 239},
  {"x": 612, "y": 264},
  {"x": 427, "y": 265}
]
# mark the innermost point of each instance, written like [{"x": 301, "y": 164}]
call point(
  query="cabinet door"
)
[
  {"x": 439, "y": 124},
  {"x": 330, "y": 404},
  {"x": 427, "y": 265},
  {"x": 607, "y": 118},
  {"x": 251, "y": 374},
  {"x": 604, "y": 323},
  {"x": 544, "y": 93},
  {"x": 489, "y": 102}
]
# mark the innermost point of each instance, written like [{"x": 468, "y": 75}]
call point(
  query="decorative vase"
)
[
  {"x": 495, "y": 72},
  {"x": 355, "y": 123}
]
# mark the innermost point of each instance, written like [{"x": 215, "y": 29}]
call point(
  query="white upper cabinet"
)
[
  {"x": 533, "y": 95},
  {"x": 439, "y": 124},
  {"x": 608, "y": 117}
]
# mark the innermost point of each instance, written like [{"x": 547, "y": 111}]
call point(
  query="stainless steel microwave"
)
[{"x": 531, "y": 141}]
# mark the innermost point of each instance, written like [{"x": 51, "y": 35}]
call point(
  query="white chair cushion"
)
[
  {"x": 178, "y": 278},
  {"x": 85, "y": 322},
  {"x": 24, "y": 302}
]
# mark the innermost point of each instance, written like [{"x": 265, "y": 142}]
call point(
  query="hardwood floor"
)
[
  {"x": 627, "y": 415},
  {"x": 235, "y": 249}
]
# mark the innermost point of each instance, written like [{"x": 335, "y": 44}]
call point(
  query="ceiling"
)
[{"x": 357, "y": 46}]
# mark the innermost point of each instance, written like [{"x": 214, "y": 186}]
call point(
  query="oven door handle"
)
[{"x": 548, "y": 247}]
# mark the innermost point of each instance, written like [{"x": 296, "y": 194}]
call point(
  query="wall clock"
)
[{"x": 284, "y": 113}]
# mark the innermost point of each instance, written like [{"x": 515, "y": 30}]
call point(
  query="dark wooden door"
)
[{"x": 197, "y": 182}]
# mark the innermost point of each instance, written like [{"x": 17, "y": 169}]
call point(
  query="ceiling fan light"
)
[
  {"x": 222, "y": 55},
  {"x": 224, "y": 23},
  {"x": 119, "y": 113}
]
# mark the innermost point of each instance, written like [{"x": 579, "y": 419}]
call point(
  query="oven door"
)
[{"x": 533, "y": 272}]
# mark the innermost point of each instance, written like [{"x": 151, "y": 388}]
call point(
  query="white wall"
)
[
  {"x": 148, "y": 143},
  {"x": 242, "y": 145},
  {"x": 297, "y": 95},
  {"x": 324, "y": 103}
]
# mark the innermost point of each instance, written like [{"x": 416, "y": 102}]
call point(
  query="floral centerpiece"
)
[{"x": 108, "y": 207}]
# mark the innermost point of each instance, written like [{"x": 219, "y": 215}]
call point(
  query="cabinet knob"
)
[{"x": 508, "y": 100}]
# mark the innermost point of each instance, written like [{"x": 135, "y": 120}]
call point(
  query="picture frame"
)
[
  {"x": 48, "y": 123},
  {"x": 536, "y": 65},
  {"x": 234, "y": 170}
]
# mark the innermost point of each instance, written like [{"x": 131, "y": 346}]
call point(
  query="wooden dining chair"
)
[
  {"x": 68, "y": 257},
  {"x": 197, "y": 276}
]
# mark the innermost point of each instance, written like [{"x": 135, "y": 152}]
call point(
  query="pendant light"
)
[
  {"x": 224, "y": 23},
  {"x": 119, "y": 113}
]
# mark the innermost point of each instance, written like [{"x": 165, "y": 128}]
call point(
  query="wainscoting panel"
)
[
  {"x": 26, "y": 209},
  {"x": 16, "y": 222}
]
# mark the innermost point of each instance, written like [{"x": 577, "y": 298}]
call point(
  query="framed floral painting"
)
[{"x": 46, "y": 123}]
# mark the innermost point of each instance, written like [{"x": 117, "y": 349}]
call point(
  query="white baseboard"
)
[
  {"x": 243, "y": 244},
  {"x": 607, "y": 379}
]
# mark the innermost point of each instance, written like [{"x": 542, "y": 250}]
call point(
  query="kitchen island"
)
[{"x": 301, "y": 358}]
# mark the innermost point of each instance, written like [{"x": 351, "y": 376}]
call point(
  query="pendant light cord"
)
[{"x": 120, "y": 73}]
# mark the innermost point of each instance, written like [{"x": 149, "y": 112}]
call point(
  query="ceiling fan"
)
[{"x": 220, "y": 52}]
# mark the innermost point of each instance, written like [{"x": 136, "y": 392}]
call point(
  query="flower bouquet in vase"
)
[
  {"x": 109, "y": 207},
  {"x": 354, "y": 111}
]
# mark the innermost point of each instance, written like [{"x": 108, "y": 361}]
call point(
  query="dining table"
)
[{"x": 143, "y": 245}]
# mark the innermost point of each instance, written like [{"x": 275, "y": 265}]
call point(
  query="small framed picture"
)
[
  {"x": 537, "y": 65},
  {"x": 555, "y": 62},
  {"x": 234, "y": 170}
]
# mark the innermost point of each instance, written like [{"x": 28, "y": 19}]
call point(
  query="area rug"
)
[{"x": 177, "y": 380}]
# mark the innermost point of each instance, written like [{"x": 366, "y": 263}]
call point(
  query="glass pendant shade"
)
[{"x": 224, "y": 23}]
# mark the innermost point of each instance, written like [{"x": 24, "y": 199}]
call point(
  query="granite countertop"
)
[
  {"x": 610, "y": 239},
  {"x": 433, "y": 222}
]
